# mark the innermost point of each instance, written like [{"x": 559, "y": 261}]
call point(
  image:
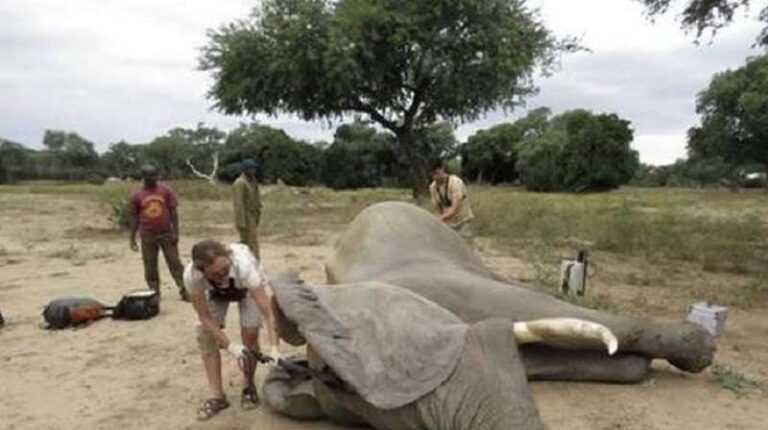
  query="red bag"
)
[{"x": 72, "y": 311}]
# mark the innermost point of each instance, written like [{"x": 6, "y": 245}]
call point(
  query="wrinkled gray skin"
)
[
  {"x": 479, "y": 381},
  {"x": 402, "y": 245}
]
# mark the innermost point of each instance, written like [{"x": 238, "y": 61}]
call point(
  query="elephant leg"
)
[{"x": 543, "y": 362}]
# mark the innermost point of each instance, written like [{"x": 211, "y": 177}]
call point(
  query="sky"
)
[{"x": 114, "y": 70}]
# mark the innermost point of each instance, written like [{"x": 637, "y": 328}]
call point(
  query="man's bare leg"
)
[
  {"x": 212, "y": 363},
  {"x": 250, "y": 336}
]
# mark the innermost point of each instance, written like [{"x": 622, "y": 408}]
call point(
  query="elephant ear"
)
[{"x": 387, "y": 343}]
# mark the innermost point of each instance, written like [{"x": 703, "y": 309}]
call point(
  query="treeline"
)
[
  {"x": 359, "y": 156},
  {"x": 574, "y": 151}
]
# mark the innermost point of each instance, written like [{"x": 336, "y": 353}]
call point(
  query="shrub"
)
[{"x": 578, "y": 152}]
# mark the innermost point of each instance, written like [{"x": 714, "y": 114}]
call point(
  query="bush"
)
[
  {"x": 116, "y": 199},
  {"x": 577, "y": 152}
]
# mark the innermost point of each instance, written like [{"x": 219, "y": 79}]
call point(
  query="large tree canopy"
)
[
  {"x": 405, "y": 64},
  {"x": 710, "y": 15},
  {"x": 734, "y": 116}
]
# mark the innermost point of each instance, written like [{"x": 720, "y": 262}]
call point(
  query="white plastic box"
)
[
  {"x": 711, "y": 317},
  {"x": 572, "y": 278}
]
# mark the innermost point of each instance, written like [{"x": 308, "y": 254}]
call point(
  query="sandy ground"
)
[{"x": 147, "y": 375}]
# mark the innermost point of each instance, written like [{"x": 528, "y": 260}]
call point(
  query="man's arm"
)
[
  {"x": 435, "y": 200},
  {"x": 257, "y": 204},
  {"x": 173, "y": 203},
  {"x": 200, "y": 304},
  {"x": 262, "y": 300},
  {"x": 451, "y": 210},
  {"x": 133, "y": 223},
  {"x": 175, "y": 224}
]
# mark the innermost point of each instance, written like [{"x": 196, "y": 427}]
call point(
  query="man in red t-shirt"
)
[{"x": 153, "y": 215}]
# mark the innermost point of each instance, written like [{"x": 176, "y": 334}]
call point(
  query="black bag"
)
[
  {"x": 2, "y": 321},
  {"x": 71, "y": 311},
  {"x": 137, "y": 305}
]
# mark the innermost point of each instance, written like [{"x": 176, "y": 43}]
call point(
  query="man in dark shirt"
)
[{"x": 154, "y": 217}]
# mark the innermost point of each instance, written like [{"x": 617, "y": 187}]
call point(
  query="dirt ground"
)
[{"x": 147, "y": 375}]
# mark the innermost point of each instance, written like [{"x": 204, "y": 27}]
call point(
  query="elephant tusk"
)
[{"x": 565, "y": 332}]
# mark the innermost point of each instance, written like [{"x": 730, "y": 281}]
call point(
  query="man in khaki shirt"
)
[
  {"x": 450, "y": 200},
  {"x": 247, "y": 201}
]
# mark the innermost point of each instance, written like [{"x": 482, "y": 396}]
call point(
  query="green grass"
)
[
  {"x": 711, "y": 235},
  {"x": 733, "y": 380},
  {"x": 654, "y": 225}
]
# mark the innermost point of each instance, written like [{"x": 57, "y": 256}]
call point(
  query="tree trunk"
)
[{"x": 418, "y": 166}]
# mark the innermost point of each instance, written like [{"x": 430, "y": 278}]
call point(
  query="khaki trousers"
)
[{"x": 250, "y": 236}]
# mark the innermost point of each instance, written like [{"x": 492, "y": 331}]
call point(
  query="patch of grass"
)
[
  {"x": 599, "y": 302},
  {"x": 753, "y": 294},
  {"x": 651, "y": 225},
  {"x": 731, "y": 379}
]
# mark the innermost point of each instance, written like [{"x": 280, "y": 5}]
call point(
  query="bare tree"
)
[{"x": 212, "y": 177}]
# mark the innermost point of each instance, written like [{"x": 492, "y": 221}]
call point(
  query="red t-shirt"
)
[{"x": 152, "y": 208}]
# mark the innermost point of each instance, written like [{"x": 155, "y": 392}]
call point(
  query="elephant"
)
[{"x": 413, "y": 331}]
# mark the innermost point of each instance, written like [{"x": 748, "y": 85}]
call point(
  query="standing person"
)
[
  {"x": 153, "y": 214},
  {"x": 247, "y": 202},
  {"x": 217, "y": 276},
  {"x": 450, "y": 200}
]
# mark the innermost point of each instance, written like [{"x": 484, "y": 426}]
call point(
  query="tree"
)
[
  {"x": 72, "y": 150},
  {"x": 404, "y": 64},
  {"x": 709, "y": 15},
  {"x": 13, "y": 156},
  {"x": 437, "y": 141},
  {"x": 491, "y": 154},
  {"x": 359, "y": 157},
  {"x": 279, "y": 156},
  {"x": 122, "y": 159},
  {"x": 734, "y": 117},
  {"x": 579, "y": 151}
]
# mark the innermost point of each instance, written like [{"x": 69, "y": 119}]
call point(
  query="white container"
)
[
  {"x": 572, "y": 279},
  {"x": 711, "y": 317}
]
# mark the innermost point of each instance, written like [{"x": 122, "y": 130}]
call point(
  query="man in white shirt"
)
[{"x": 216, "y": 276}]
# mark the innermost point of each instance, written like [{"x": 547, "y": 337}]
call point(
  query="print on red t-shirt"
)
[{"x": 152, "y": 208}]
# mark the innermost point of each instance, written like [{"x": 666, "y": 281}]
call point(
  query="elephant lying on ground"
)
[
  {"x": 401, "y": 249},
  {"x": 383, "y": 356}
]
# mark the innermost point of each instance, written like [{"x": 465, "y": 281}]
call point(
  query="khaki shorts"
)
[
  {"x": 250, "y": 317},
  {"x": 250, "y": 314},
  {"x": 464, "y": 229}
]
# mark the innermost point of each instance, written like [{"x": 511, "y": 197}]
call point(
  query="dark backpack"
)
[
  {"x": 2, "y": 321},
  {"x": 137, "y": 305},
  {"x": 72, "y": 311}
]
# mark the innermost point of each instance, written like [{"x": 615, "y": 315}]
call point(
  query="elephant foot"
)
[{"x": 696, "y": 350}]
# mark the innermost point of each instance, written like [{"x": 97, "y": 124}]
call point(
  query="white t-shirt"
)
[{"x": 246, "y": 271}]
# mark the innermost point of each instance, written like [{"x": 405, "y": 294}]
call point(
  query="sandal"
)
[
  {"x": 249, "y": 399},
  {"x": 211, "y": 407}
]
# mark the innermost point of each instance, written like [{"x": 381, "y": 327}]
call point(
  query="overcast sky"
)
[{"x": 115, "y": 70}]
